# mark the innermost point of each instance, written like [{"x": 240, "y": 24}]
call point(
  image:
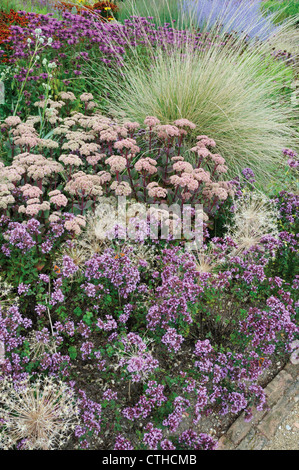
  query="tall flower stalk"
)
[{"x": 38, "y": 46}]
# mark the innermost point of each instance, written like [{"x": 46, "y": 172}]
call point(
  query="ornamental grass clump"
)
[
  {"x": 226, "y": 94},
  {"x": 112, "y": 335},
  {"x": 52, "y": 191}
]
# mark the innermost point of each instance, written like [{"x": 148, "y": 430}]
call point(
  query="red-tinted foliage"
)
[{"x": 6, "y": 21}]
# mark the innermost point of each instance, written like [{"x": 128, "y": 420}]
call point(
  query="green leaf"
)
[{"x": 72, "y": 352}]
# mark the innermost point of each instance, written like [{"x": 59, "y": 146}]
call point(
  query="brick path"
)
[{"x": 282, "y": 395}]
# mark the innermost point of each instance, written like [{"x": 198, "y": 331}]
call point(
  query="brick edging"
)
[{"x": 282, "y": 394}]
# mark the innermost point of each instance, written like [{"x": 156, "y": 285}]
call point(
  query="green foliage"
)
[
  {"x": 164, "y": 11},
  {"x": 283, "y": 8}
]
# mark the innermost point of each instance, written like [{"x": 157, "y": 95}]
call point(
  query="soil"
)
[{"x": 287, "y": 434}]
